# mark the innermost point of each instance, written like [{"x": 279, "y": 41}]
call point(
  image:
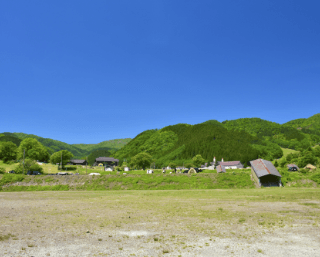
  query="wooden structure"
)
[{"x": 264, "y": 173}]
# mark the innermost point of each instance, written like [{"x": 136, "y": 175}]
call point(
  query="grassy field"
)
[{"x": 239, "y": 222}]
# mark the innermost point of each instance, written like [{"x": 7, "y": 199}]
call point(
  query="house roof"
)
[
  {"x": 106, "y": 159},
  {"x": 230, "y": 163},
  {"x": 263, "y": 167},
  {"x": 221, "y": 168},
  {"x": 77, "y": 161}
]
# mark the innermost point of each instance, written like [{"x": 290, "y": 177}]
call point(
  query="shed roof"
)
[
  {"x": 221, "y": 168},
  {"x": 106, "y": 159},
  {"x": 77, "y": 161},
  {"x": 263, "y": 167},
  {"x": 230, "y": 163},
  {"x": 310, "y": 166}
]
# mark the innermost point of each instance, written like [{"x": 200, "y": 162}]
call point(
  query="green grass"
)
[{"x": 287, "y": 151}]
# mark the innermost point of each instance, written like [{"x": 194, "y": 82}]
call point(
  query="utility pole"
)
[
  {"x": 86, "y": 164},
  {"x": 24, "y": 152},
  {"x": 61, "y": 161}
]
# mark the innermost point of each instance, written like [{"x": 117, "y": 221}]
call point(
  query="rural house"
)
[
  {"x": 106, "y": 161},
  {"x": 220, "y": 169},
  {"x": 310, "y": 167},
  {"x": 264, "y": 173},
  {"x": 77, "y": 162},
  {"x": 231, "y": 165}
]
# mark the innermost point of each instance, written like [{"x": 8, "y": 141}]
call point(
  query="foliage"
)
[
  {"x": 6, "y": 137},
  {"x": 172, "y": 165},
  {"x": 188, "y": 165},
  {"x": 33, "y": 150},
  {"x": 2, "y": 170},
  {"x": 11, "y": 178},
  {"x": 28, "y": 165},
  {"x": 64, "y": 154},
  {"x": 98, "y": 153},
  {"x": 141, "y": 160},
  {"x": 198, "y": 160},
  {"x": 8, "y": 151},
  {"x": 105, "y": 145}
]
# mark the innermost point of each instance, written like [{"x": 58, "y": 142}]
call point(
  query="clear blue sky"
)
[{"x": 89, "y": 71}]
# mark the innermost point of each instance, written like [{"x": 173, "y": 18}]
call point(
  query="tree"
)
[
  {"x": 276, "y": 163},
  {"x": 56, "y": 157},
  {"x": 2, "y": 170},
  {"x": 28, "y": 164},
  {"x": 189, "y": 165},
  {"x": 8, "y": 151},
  {"x": 34, "y": 150},
  {"x": 198, "y": 160},
  {"x": 141, "y": 160},
  {"x": 172, "y": 165}
]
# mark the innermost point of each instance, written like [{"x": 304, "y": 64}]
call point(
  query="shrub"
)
[
  {"x": 28, "y": 165},
  {"x": 2, "y": 170}
]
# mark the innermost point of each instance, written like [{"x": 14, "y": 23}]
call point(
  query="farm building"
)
[
  {"x": 106, "y": 161},
  {"x": 310, "y": 167},
  {"x": 77, "y": 162},
  {"x": 220, "y": 169},
  {"x": 231, "y": 165},
  {"x": 292, "y": 167},
  {"x": 264, "y": 173}
]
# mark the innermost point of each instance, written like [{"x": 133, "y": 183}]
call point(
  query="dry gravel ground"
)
[{"x": 266, "y": 222}]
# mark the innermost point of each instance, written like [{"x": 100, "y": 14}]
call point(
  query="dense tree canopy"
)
[
  {"x": 64, "y": 155},
  {"x": 141, "y": 160},
  {"x": 34, "y": 150},
  {"x": 8, "y": 151}
]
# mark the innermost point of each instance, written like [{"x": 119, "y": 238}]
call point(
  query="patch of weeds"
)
[
  {"x": 242, "y": 220},
  {"x": 31, "y": 245},
  {"x": 23, "y": 248},
  {"x": 120, "y": 248},
  {"x": 165, "y": 251},
  {"x": 156, "y": 239},
  {"x": 260, "y": 251},
  {"x": 100, "y": 239},
  {"x": 6, "y": 237}
]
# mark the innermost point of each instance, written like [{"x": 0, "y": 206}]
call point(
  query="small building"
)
[
  {"x": 106, "y": 161},
  {"x": 310, "y": 167},
  {"x": 292, "y": 167},
  {"x": 221, "y": 169},
  {"x": 77, "y": 162},
  {"x": 231, "y": 165},
  {"x": 264, "y": 173}
]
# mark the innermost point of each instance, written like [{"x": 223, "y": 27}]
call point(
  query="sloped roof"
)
[
  {"x": 310, "y": 166},
  {"x": 230, "y": 163},
  {"x": 221, "y": 168},
  {"x": 263, "y": 167},
  {"x": 77, "y": 161},
  {"x": 106, "y": 159}
]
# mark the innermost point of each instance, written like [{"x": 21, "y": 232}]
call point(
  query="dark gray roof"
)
[
  {"x": 106, "y": 159},
  {"x": 221, "y": 168},
  {"x": 77, "y": 161},
  {"x": 232, "y": 163},
  {"x": 263, "y": 167}
]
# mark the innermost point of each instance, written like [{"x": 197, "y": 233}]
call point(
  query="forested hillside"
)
[
  {"x": 311, "y": 123},
  {"x": 55, "y": 145},
  {"x": 181, "y": 142},
  {"x": 110, "y": 144},
  {"x": 284, "y": 135}
]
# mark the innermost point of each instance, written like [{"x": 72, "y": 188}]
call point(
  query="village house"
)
[
  {"x": 264, "y": 173},
  {"x": 292, "y": 167},
  {"x": 221, "y": 169},
  {"x": 231, "y": 165},
  {"x": 77, "y": 162},
  {"x": 106, "y": 161}
]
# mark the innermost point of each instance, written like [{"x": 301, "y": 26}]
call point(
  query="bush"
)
[
  {"x": 28, "y": 165},
  {"x": 2, "y": 170}
]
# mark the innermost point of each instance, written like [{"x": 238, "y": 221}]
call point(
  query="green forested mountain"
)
[
  {"x": 312, "y": 123},
  {"x": 284, "y": 135},
  {"x": 6, "y": 137},
  {"x": 110, "y": 144},
  {"x": 181, "y": 142},
  {"x": 55, "y": 145}
]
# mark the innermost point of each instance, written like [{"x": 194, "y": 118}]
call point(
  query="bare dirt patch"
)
[{"x": 155, "y": 223}]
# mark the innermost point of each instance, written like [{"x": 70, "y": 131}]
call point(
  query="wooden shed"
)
[{"x": 264, "y": 173}]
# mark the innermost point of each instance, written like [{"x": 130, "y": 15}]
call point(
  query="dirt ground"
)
[{"x": 275, "y": 222}]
